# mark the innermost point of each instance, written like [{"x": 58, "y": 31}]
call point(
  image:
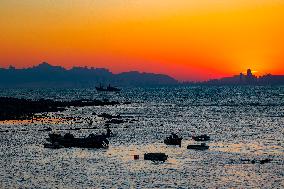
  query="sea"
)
[{"x": 245, "y": 123}]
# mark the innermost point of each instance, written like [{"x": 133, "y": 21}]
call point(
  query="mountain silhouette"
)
[{"x": 46, "y": 75}]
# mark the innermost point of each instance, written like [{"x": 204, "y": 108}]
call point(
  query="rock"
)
[{"x": 21, "y": 109}]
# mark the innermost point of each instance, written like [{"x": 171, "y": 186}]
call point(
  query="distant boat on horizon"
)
[{"x": 109, "y": 88}]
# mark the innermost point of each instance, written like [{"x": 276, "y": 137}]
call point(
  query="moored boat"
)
[
  {"x": 68, "y": 140},
  {"x": 155, "y": 156},
  {"x": 173, "y": 140},
  {"x": 202, "y": 146}
]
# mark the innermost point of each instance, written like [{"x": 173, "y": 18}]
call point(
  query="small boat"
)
[
  {"x": 108, "y": 88},
  {"x": 265, "y": 161},
  {"x": 155, "y": 156},
  {"x": 202, "y": 146},
  {"x": 173, "y": 140},
  {"x": 201, "y": 138},
  {"x": 68, "y": 140}
]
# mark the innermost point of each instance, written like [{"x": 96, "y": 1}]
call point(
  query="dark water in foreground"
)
[{"x": 244, "y": 123}]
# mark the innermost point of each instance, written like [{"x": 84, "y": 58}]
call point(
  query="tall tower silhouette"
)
[{"x": 249, "y": 73}]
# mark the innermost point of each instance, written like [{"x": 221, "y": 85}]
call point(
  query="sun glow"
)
[{"x": 189, "y": 40}]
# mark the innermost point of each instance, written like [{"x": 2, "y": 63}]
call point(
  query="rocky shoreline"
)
[{"x": 21, "y": 109}]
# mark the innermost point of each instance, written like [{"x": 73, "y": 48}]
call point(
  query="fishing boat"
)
[
  {"x": 68, "y": 140},
  {"x": 173, "y": 140},
  {"x": 155, "y": 156},
  {"x": 202, "y": 146}
]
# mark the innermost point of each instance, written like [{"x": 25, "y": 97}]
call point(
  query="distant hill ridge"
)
[
  {"x": 46, "y": 75},
  {"x": 248, "y": 79}
]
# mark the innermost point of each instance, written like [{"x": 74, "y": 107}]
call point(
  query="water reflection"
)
[
  {"x": 254, "y": 148},
  {"x": 42, "y": 120},
  {"x": 239, "y": 121}
]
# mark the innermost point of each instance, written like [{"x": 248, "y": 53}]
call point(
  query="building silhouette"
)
[{"x": 249, "y": 78}]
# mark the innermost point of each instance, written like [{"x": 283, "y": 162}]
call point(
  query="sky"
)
[{"x": 186, "y": 39}]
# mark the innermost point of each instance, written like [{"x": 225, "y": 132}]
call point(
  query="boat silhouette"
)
[
  {"x": 202, "y": 146},
  {"x": 68, "y": 140},
  {"x": 173, "y": 140},
  {"x": 155, "y": 156}
]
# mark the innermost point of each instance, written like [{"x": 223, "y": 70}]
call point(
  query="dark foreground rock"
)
[{"x": 20, "y": 109}]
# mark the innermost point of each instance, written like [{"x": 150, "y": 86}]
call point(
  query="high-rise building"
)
[{"x": 249, "y": 73}]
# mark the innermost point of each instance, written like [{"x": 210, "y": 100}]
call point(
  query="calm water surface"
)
[{"x": 244, "y": 123}]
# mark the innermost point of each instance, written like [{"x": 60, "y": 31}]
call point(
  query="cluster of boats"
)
[
  {"x": 101, "y": 141},
  {"x": 174, "y": 139},
  {"x": 68, "y": 140}
]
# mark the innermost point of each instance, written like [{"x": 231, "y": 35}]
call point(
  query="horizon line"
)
[{"x": 91, "y": 67}]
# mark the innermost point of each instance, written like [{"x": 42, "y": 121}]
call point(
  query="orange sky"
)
[{"x": 186, "y": 39}]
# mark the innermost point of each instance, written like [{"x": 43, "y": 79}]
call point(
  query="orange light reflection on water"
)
[
  {"x": 44, "y": 120},
  {"x": 255, "y": 148}
]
